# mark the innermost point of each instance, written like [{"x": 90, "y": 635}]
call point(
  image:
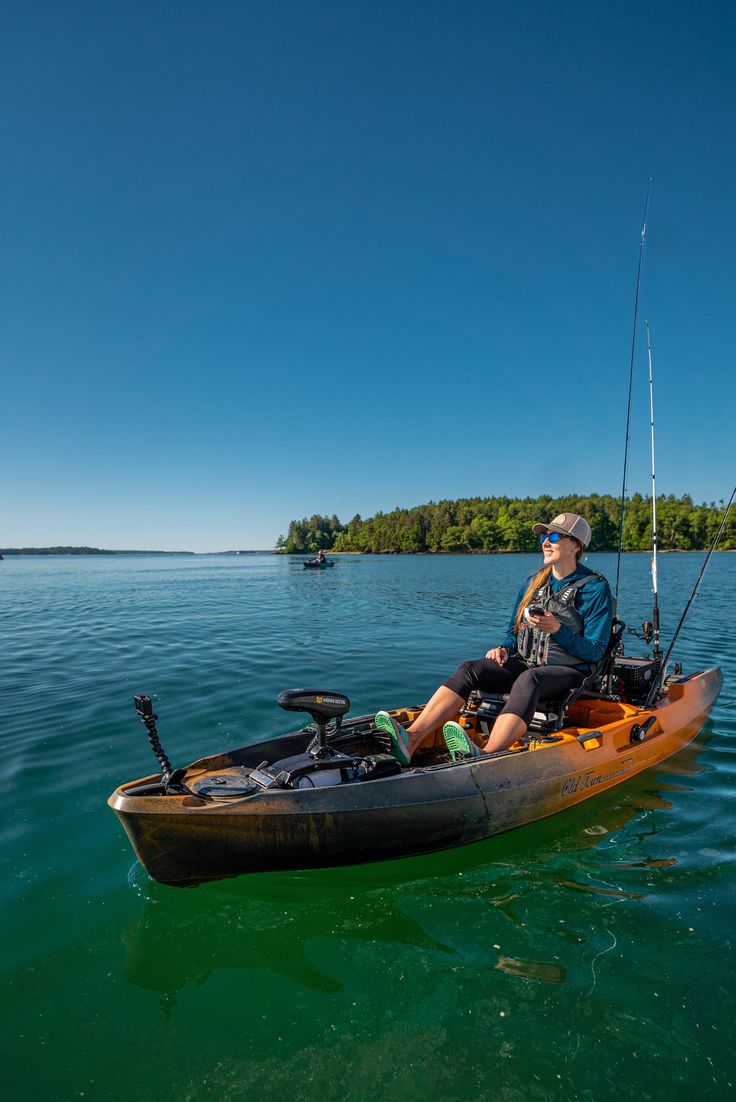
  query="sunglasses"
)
[{"x": 553, "y": 537}]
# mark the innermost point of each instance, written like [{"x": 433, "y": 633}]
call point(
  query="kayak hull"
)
[{"x": 186, "y": 839}]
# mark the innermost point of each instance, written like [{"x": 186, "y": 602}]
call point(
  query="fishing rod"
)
[
  {"x": 655, "y": 604},
  {"x": 631, "y": 384},
  {"x": 657, "y": 681}
]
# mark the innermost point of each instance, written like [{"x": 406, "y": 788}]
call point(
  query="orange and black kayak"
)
[{"x": 329, "y": 796}]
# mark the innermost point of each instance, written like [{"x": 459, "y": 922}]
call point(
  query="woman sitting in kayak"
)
[{"x": 560, "y": 628}]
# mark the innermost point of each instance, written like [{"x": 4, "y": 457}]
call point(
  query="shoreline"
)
[
  {"x": 504, "y": 551},
  {"x": 35, "y": 553}
]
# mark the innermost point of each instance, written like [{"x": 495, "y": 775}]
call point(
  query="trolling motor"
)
[
  {"x": 171, "y": 779},
  {"x": 322, "y": 707},
  {"x": 321, "y": 763},
  {"x": 318, "y": 757}
]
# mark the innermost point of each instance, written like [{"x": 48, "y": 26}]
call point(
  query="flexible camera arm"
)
[{"x": 171, "y": 778}]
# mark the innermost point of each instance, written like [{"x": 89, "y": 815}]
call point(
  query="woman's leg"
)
[
  {"x": 533, "y": 685},
  {"x": 442, "y": 705},
  {"x": 447, "y": 701},
  {"x": 506, "y": 730}
]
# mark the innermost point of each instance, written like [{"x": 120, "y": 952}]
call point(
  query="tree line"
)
[
  {"x": 504, "y": 524},
  {"x": 81, "y": 551}
]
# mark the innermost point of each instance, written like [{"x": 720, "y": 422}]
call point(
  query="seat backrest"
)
[{"x": 596, "y": 676}]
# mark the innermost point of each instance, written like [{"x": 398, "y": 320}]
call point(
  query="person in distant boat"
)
[
  {"x": 320, "y": 556},
  {"x": 559, "y": 630}
]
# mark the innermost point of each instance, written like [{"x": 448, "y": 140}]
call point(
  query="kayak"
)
[
  {"x": 329, "y": 794},
  {"x": 312, "y": 564}
]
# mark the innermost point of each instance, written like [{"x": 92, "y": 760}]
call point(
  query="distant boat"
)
[{"x": 315, "y": 564}]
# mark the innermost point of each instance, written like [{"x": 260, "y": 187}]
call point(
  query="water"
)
[{"x": 585, "y": 957}]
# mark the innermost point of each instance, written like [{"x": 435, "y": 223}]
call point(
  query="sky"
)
[{"x": 264, "y": 260}]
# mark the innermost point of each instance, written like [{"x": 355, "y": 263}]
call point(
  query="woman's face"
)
[{"x": 563, "y": 553}]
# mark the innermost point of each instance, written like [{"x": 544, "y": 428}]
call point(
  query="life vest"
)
[{"x": 538, "y": 648}]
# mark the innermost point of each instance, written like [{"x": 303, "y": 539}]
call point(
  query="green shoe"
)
[
  {"x": 458, "y": 743},
  {"x": 397, "y": 734}
]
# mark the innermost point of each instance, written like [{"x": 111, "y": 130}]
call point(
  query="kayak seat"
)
[{"x": 551, "y": 714}]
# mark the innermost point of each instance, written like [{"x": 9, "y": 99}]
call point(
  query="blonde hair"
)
[{"x": 537, "y": 582}]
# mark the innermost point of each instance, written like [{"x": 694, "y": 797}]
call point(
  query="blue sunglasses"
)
[{"x": 553, "y": 537}]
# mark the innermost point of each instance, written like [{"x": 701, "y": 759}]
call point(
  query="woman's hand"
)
[
  {"x": 546, "y": 622},
  {"x": 498, "y": 654}
]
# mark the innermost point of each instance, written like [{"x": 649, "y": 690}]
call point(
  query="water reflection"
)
[
  {"x": 175, "y": 941},
  {"x": 664, "y": 863},
  {"x": 594, "y": 889},
  {"x": 532, "y": 970}
]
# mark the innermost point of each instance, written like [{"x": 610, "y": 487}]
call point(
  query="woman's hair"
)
[{"x": 536, "y": 582}]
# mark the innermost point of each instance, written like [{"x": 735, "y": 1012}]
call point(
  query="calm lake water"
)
[{"x": 589, "y": 956}]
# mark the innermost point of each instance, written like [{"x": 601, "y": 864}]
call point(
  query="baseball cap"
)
[{"x": 567, "y": 524}]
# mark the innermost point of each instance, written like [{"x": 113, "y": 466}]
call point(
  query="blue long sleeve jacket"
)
[{"x": 594, "y": 603}]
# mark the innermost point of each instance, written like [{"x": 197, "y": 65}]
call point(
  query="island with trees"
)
[
  {"x": 503, "y": 524},
  {"x": 80, "y": 551}
]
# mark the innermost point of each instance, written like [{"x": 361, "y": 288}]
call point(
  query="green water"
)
[{"x": 589, "y": 956}]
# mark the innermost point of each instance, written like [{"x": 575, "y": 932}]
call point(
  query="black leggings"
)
[{"x": 526, "y": 685}]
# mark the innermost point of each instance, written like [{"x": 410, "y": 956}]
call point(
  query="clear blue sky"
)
[{"x": 261, "y": 260}]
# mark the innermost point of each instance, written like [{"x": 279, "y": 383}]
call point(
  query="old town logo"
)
[{"x": 591, "y": 778}]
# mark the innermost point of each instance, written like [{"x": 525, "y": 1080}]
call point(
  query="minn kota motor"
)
[
  {"x": 318, "y": 757},
  {"x": 322, "y": 707}
]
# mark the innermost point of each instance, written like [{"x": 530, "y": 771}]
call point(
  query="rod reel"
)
[{"x": 646, "y": 634}]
